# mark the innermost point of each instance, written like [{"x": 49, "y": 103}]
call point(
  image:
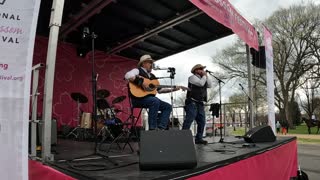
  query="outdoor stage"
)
[{"x": 276, "y": 160}]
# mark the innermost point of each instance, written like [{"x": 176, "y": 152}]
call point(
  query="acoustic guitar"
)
[{"x": 152, "y": 87}]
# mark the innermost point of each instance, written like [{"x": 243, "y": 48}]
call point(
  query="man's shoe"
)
[{"x": 201, "y": 141}]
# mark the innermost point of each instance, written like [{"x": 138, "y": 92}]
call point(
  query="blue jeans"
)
[
  {"x": 195, "y": 111},
  {"x": 154, "y": 105}
]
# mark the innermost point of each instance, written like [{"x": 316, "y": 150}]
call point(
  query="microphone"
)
[
  {"x": 85, "y": 32},
  {"x": 158, "y": 68},
  {"x": 171, "y": 69},
  {"x": 241, "y": 86},
  {"x": 208, "y": 71},
  {"x": 154, "y": 67}
]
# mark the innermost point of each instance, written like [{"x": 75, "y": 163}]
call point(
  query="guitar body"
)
[{"x": 139, "y": 92}]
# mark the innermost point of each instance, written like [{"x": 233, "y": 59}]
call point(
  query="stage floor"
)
[{"x": 210, "y": 157}]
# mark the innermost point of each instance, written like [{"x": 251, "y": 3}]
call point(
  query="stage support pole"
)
[
  {"x": 251, "y": 124},
  {"x": 55, "y": 23},
  {"x": 34, "y": 106}
]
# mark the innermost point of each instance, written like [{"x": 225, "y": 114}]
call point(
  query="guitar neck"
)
[{"x": 166, "y": 86}]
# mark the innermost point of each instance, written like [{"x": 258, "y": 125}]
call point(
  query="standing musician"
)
[
  {"x": 194, "y": 104},
  {"x": 140, "y": 77}
]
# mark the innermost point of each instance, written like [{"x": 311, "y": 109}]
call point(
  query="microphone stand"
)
[
  {"x": 248, "y": 105},
  {"x": 94, "y": 88},
  {"x": 245, "y": 93},
  {"x": 220, "y": 113},
  {"x": 94, "y": 77},
  {"x": 172, "y": 73}
]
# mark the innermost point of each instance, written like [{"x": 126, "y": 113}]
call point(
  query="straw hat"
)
[
  {"x": 144, "y": 58},
  {"x": 197, "y": 66}
]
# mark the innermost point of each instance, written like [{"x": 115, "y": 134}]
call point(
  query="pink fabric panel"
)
[
  {"x": 73, "y": 74},
  {"x": 280, "y": 163},
  {"x": 38, "y": 171},
  {"x": 223, "y": 12}
]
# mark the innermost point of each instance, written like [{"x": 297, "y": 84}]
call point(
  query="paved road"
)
[
  {"x": 309, "y": 155},
  {"x": 309, "y": 159},
  {"x": 305, "y": 136}
]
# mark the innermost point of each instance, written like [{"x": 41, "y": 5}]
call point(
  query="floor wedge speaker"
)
[
  {"x": 260, "y": 134},
  {"x": 173, "y": 149}
]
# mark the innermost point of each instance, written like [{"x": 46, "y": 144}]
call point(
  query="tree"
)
[
  {"x": 295, "y": 112},
  {"x": 237, "y": 105},
  {"x": 311, "y": 105},
  {"x": 296, "y": 51},
  {"x": 234, "y": 63},
  {"x": 293, "y": 54}
]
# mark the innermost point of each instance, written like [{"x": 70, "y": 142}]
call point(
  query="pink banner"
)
[
  {"x": 223, "y": 12},
  {"x": 17, "y": 36},
  {"x": 278, "y": 163},
  {"x": 270, "y": 79}
]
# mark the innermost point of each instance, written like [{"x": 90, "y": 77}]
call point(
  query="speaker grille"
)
[
  {"x": 167, "y": 150},
  {"x": 260, "y": 134}
]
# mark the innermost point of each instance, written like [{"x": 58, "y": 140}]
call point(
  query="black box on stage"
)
[
  {"x": 173, "y": 149},
  {"x": 260, "y": 134}
]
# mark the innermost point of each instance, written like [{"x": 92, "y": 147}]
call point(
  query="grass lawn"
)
[
  {"x": 238, "y": 132},
  {"x": 302, "y": 129}
]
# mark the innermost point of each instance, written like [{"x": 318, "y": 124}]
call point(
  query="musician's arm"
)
[
  {"x": 167, "y": 90},
  {"x": 133, "y": 76},
  {"x": 197, "y": 80}
]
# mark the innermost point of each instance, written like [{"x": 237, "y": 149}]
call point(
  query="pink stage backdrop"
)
[{"x": 73, "y": 74}]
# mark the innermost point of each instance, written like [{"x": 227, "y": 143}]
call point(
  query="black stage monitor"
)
[
  {"x": 173, "y": 149},
  {"x": 260, "y": 134}
]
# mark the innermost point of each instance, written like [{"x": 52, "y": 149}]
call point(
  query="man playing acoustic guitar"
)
[{"x": 143, "y": 86}]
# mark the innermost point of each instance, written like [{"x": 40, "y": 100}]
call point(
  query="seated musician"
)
[{"x": 140, "y": 77}]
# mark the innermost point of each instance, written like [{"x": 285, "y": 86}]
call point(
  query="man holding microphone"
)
[{"x": 194, "y": 104}]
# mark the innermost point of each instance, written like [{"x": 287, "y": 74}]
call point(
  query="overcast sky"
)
[{"x": 183, "y": 62}]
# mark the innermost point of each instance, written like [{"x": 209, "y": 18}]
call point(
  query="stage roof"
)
[{"x": 131, "y": 28}]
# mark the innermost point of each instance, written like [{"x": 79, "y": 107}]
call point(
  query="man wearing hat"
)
[
  {"x": 154, "y": 104},
  {"x": 194, "y": 104}
]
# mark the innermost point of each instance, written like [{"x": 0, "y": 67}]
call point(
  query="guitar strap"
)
[{"x": 144, "y": 74}]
